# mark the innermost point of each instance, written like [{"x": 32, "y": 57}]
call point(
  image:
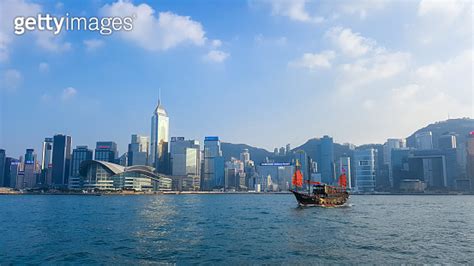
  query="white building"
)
[
  {"x": 159, "y": 139},
  {"x": 364, "y": 161}
]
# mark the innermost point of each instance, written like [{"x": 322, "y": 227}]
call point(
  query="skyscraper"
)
[
  {"x": 159, "y": 139},
  {"x": 29, "y": 178},
  {"x": 138, "y": 150},
  {"x": 470, "y": 158},
  {"x": 213, "y": 171},
  {"x": 46, "y": 153},
  {"x": 326, "y": 159},
  {"x": 447, "y": 141},
  {"x": 2, "y": 167},
  {"x": 79, "y": 154},
  {"x": 61, "y": 160},
  {"x": 345, "y": 167},
  {"x": 185, "y": 157},
  {"x": 424, "y": 140},
  {"x": 245, "y": 156},
  {"x": 106, "y": 151},
  {"x": 365, "y": 169},
  {"x": 387, "y": 154}
]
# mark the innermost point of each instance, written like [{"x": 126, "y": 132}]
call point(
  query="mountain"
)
[
  {"x": 461, "y": 127},
  {"x": 258, "y": 155},
  {"x": 311, "y": 147}
]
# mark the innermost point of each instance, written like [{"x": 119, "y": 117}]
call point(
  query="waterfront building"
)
[
  {"x": 282, "y": 151},
  {"x": 213, "y": 175},
  {"x": 106, "y": 151},
  {"x": 389, "y": 145},
  {"x": 234, "y": 174},
  {"x": 138, "y": 150},
  {"x": 275, "y": 152},
  {"x": 12, "y": 166},
  {"x": 364, "y": 161},
  {"x": 29, "y": 169},
  {"x": 184, "y": 157},
  {"x": 61, "y": 160},
  {"x": 288, "y": 149},
  {"x": 470, "y": 159},
  {"x": 245, "y": 156},
  {"x": 325, "y": 159},
  {"x": 399, "y": 165},
  {"x": 101, "y": 175},
  {"x": 424, "y": 140},
  {"x": 447, "y": 141},
  {"x": 159, "y": 157},
  {"x": 46, "y": 161},
  {"x": 429, "y": 166},
  {"x": 345, "y": 167},
  {"x": 279, "y": 173},
  {"x": 2, "y": 167},
  {"x": 79, "y": 155}
]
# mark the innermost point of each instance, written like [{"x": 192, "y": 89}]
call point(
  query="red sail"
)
[
  {"x": 297, "y": 179},
  {"x": 343, "y": 180}
]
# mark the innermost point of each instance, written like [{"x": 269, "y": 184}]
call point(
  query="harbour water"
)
[{"x": 234, "y": 228}]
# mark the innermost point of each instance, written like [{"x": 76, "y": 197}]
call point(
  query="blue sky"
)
[{"x": 264, "y": 73}]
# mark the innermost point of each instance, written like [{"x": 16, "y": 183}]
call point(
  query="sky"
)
[{"x": 263, "y": 73}]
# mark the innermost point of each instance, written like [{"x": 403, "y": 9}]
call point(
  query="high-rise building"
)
[
  {"x": 29, "y": 169},
  {"x": 245, "y": 156},
  {"x": 387, "y": 154},
  {"x": 106, "y": 151},
  {"x": 364, "y": 161},
  {"x": 61, "y": 160},
  {"x": 185, "y": 157},
  {"x": 138, "y": 150},
  {"x": 326, "y": 159},
  {"x": 10, "y": 172},
  {"x": 424, "y": 140},
  {"x": 447, "y": 141},
  {"x": 282, "y": 151},
  {"x": 79, "y": 154},
  {"x": 345, "y": 167},
  {"x": 47, "y": 153},
  {"x": 234, "y": 174},
  {"x": 213, "y": 171},
  {"x": 2, "y": 167},
  {"x": 288, "y": 148},
  {"x": 159, "y": 157},
  {"x": 470, "y": 158}
]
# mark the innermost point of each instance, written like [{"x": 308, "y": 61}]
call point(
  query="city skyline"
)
[{"x": 337, "y": 74}]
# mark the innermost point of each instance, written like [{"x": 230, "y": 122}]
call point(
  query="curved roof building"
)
[{"x": 100, "y": 175}]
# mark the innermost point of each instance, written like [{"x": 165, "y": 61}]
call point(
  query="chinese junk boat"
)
[{"x": 318, "y": 194}]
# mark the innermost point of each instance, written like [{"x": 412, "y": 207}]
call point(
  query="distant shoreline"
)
[{"x": 18, "y": 193}]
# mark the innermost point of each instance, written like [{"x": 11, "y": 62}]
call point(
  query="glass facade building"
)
[
  {"x": 213, "y": 174},
  {"x": 159, "y": 140},
  {"x": 106, "y": 151},
  {"x": 79, "y": 155},
  {"x": 364, "y": 161},
  {"x": 61, "y": 159}
]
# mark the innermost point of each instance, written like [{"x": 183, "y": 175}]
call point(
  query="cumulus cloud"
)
[
  {"x": 361, "y": 7},
  {"x": 447, "y": 9},
  {"x": 216, "y": 56},
  {"x": 350, "y": 43},
  {"x": 312, "y": 61},
  {"x": 68, "y": 93},
  {"x": 93, "y": 44},
  {"x": 216, "y": 43},
  {"x": 293, "y": 9},
  {"x": 156, "y": 32},
  {"x": 11, "y": 79}
]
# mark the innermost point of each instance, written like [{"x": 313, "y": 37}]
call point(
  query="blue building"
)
[
  {"x": 325, "y": 159},
  {"x": 106, "y": 151},
  {"x": 364, "y": 161},
  {"x": 61, "y": 160},
  {"x": 213, "y": 170},
  {"x": 79, "y": 155}
]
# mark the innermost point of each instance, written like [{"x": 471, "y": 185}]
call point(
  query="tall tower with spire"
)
[{"x": 159, "y": 139}]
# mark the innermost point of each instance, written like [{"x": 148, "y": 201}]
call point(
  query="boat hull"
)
[{"x": 333, "y": 200}]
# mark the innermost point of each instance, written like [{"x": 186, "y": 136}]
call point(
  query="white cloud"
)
[
  {"x": 293, "y": 9},
  {"x": 261, "y": 40},
  {"x": 361, "y": 7},
  {"x": 156, "y": 33},
  {"x": 350, "y": 43},
  {"x": 312, "y": 61},
  {"x": 68, "y": 93},
  {"x": 43, "y": 67},
  {"x": 447, "y": 9},
  {"x": 216, "y": 56},
  {"x": 11, "y": 79},
  {"x": 216, "y": 43},
  {"x": 93, "y": 44}
]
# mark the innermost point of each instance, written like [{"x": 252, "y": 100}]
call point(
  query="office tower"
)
[
  {"x": 280, "y": 175},
  {"x": 288, "y": 148},
  {"x": 185, "y": 157},
  {"x": 282, "y": 151},
  {"x": 159, "y": 157},
  {"x": 303, "y": 159},
  {"x": 424, "y": 140},
  {"x": 79, "y": 155},
  {"x": 138, "y": 150},
  {"x": 213, "y": 170},
  {"x": 387, "y": 154},
  {"x": 234, "y": 174},
  {"x": 10, "y": 173},
  {"x": 447, "y": 141},
  {"x": 275, "y": 152},
  {"x": 46, "y": 153},
  {"x": 61, "y": 160},
  {"x": 470, "y": 158},
  {"x": 364, "y": 161},
  {"x": 326, "y": 159},
  {"x": 29, "y": 176},
  {"x": 345, "y": 167},
  {"x": 245, "y": 156},
  {"x": 106, "y": 151},
  {"x": 2, "y": 167},
  {"x": 123, "y": 160}
]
